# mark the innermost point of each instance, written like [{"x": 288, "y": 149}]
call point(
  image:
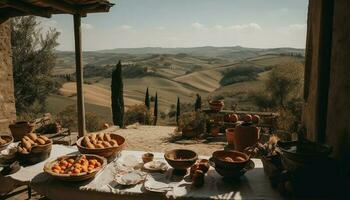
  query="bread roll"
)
[
  {"x": 99, "y": 146},
  {"x": 26, "y": 144},
  {"x": 114, "y": 143},
  {"x": 107, "y": 137},
  {"x": 32, "y": 136},
  {"x": 106, "y": 144},
  {"x": 43, "y": 137},
  {"x": 85, "y": 140},
  {"x": 100, "y": 136},
  {"x": 29, "y": 140},
  {"x": 40, "y": 141},
  {"x": 89, "y": 145},
  {"x": 93, "y": 136}
]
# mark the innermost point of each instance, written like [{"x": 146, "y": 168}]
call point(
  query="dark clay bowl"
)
[
  {"x": 181, "y": 159},
  {"x": 230, "y": 173},
  {"x": 221, "y": 159}
]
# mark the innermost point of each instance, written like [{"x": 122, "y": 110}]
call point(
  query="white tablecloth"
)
[{"x": 254, "y": 185}]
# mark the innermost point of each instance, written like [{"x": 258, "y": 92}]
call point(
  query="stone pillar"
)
[
  {"x": 7, "y": 100},
  {"x": 338, "y": 121}
]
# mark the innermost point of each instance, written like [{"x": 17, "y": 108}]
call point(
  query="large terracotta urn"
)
[{"x": 245, "y": 135}]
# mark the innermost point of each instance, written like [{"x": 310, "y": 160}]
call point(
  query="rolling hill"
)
[{"x": 172, "y": 73}]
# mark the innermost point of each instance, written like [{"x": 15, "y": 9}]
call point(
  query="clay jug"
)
[{"x": 245, "y": 135}]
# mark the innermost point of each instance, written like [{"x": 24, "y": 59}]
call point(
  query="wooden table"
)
[{"x": 254, "y": 185}]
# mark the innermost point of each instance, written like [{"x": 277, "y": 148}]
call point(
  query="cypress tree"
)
[
  {"x": 198, "y": 104},
  {"x": 147, "y": 101},
  {"x": 178, "y": 111},
  {"x": 155, "y": 109},
  {"x": 117, "y": 96},
  {"x": 148, "y": 106}
]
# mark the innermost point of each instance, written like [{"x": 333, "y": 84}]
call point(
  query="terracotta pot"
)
[
  {"x": 246, "y": 135},
  {"x": 216, "y": 105},
  {"x": 230, "y": 135},
  {"x": 215, "y": 131},
  {"x": 20, "y": 129}
]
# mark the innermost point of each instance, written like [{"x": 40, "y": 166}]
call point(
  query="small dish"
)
[
  {"x": 130, "y": 178},
  {"x": 147, "y": 157},
  {"x": 156, "y": 166}
]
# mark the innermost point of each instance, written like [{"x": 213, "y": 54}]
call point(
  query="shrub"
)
[
  {"x": 136, "y": 113},
  {"x": 68, "y": 119},
  {"x": 240, "y": 74}
]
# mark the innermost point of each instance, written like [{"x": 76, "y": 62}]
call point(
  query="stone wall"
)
[{"x": 7, "y": 100}]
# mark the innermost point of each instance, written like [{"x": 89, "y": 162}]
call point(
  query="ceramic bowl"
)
[{"x": 181, "y": 158}]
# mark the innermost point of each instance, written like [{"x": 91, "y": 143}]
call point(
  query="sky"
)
[{"x": 188, "y": 23}]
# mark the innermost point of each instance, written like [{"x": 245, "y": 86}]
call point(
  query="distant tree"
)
[
  {"x": 283, "y": 94},
  {"x": 284, "y": 83},
  {"x": 147, "y": 100},
  {"x": 33, "y": 58},
  {"x": 155, "y": 110},
  {"x": 178, "y": 111},
  {"x": 117, "y": 96},
  {"x": 198, "y": 103}
]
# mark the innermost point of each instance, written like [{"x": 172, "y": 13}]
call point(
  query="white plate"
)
[
  {"x": 156, "y": 165},
  {"x": 130, "y": 178},
  {"x": 156, "y": 182}
]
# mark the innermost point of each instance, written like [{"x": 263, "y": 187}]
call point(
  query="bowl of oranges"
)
[{"x": 75, "y": 167}]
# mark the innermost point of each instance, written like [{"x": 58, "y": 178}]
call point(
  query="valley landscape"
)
[{"x": 231, "y": 73}]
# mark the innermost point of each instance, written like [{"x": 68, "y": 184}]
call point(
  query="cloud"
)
[
  {"x": 86, "y": 26},
  {"x": 126, "y": 27},
  {"x": 160, "y": 28},
  {"x": 240, "y": 27},
  {"x": 197, "y": 25}
]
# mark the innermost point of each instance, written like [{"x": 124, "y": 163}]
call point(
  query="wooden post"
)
[{"x": 79, "y": 75}]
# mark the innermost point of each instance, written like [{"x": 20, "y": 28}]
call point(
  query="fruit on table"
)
[
  {"x": 233, "y": 118},
  {"x": 247, "y": 118},
  {"x": 72, "y": 166},
  {"x": 256, "y": 119},
  {"x": 31, "y": 140},
  {"x": 98, "y": 141}
]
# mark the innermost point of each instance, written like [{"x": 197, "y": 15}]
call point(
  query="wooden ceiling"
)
[{"x": 45, "y": 8}]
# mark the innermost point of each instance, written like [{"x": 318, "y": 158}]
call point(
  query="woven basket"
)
[
  {"x": 108, "y": 152},
  {"x": 20, "y": 129},
  {"x": 37, "y": 154},
  {"x": 74, "y": 177}
]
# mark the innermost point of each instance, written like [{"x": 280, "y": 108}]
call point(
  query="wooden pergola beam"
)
[
  {"x": 79, "y": 75},
  {"x": 28, "y": 8},
  {"x": 62, "y": 6}
]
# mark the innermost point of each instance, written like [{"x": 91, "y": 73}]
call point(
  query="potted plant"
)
[
  {"x": 269, "y": 156},
  {"x": 216, "y": 105},
  {"x": 192, "y": 124},
  {"x": 20, "y": 128}
]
